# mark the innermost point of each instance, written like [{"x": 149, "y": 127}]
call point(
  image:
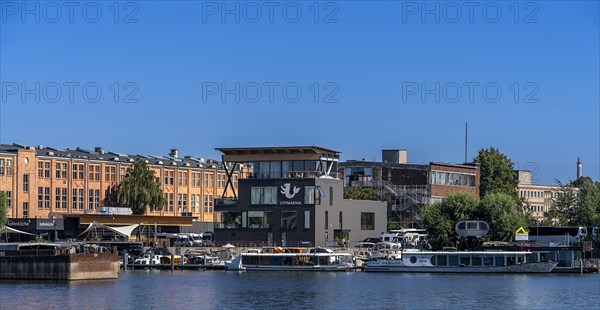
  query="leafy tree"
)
[
  {"x": 440, "y": 218},
  {"x": 359, "y": 193},
  {"x": 3, "y": 210},
  {"x": 503, "y": 215},
  {"x": 563, "y": 211},
  {"x": 587, "y": 211},
  {"x": 497, "y": 173},
  {"x": 140, "y": 189}
]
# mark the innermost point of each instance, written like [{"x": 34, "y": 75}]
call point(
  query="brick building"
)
[
  {"x": 409, "y": 188},
  {"x": 43, "y": 181}
]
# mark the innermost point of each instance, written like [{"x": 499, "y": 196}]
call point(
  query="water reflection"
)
[{"x": 304, "y": 290}]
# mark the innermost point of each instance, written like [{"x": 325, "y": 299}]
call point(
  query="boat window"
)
[
  {"x": 432, "y": 260},
  {"x": 476, "y": 260},
  {"x": 461, "y": 225},
  {"x": 413, "y": 259},
  {"x": 441, "y": 260},
  {"x": 510, "y": 260},
  {"x": 465, "y": 260},
  {"x": 500, "y": 260},
  {"x": 453, "y": 260},
  {"x": 472, "y": 225},
  {"x": 488, "y": 261},
  {"x": 520, "y": 259}
]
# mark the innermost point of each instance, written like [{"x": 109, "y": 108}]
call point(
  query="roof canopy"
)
[
  {"x": 124, "y": 231},
  {"x": 249, "y": 154}
]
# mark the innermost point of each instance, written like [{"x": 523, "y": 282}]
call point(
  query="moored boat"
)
[
  {"x": 292, "y": 259},
  {"x": 461, "y": 262}
]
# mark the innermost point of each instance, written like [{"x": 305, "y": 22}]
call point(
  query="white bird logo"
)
[{"x": 285, "y": 189}]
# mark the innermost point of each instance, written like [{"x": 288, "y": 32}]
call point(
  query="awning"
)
[
  {"x": 121, "y": 230},
  {"x": 8, "y": 230}
]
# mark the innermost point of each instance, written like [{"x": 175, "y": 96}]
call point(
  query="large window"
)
[
  {"x": 306, "y": 219},
  {"x": 289, "y": 220},
  {"x": 367, "y": 221},
  {"x": 258, "y": 219},
  {"x": 231, "y": 220},
  {"x": 25, "y": 183},
  {"x": 310, "y": 195},
  {"x": 266, "y": 195},
  {"x": 452, "y": 179},
  {"x": 44, "y": 169},
  {"x": 8, "y": 196}
]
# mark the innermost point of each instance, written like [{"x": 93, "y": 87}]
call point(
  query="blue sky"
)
[{"x": 378, "y": 66}]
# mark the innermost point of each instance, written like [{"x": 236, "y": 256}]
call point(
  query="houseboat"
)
[
  {"x": 292, "y": 259},
  {"x": 461, "y": 262}
]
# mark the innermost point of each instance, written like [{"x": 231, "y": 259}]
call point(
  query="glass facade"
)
[
  {"x": 452, "y": 178},
  {"x": 278, "y": 169}
]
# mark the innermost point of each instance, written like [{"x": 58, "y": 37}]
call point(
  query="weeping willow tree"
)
[{"x": 140, "y": 189}]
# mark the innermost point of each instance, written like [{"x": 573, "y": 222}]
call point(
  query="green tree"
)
[
  {"x": 140, "y": 189},
  {"x": 563, "y": 211},
  {"x": 587, "y": 212},
  {"x": 3, "y": 210},
  {"x": 439, "y": 218},
  {"x": 359, "y": 193},
  {"x": 496, "y": 173},
  {"x": 503, "y": 214}
]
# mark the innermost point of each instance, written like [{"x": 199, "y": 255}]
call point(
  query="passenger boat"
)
[
  {"x": 386, "y": 250},
  {"x": 461, "y": 262},
  {"x": 292, "y": 259}
]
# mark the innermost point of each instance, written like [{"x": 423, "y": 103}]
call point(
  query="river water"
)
[{"x": 137, "y": 289}]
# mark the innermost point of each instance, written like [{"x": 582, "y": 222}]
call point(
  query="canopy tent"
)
[
  {"x": 124, "y": 231},
  {"x": 8, "y": 230}
]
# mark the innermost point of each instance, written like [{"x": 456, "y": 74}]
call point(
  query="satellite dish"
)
[{"x": 472, "y": 228}]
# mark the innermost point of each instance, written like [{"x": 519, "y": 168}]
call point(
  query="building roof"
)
[
  {"x": 247, "y": 154},
  {"x": 99, "y": 154}
]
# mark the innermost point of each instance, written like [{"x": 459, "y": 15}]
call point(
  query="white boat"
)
[
  {"x": 292, "y": 259},
  {"x": 461, "y": 262},
  {"x": 386, "y": 250}
]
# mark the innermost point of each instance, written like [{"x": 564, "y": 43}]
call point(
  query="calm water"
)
[{"x": 319, "y": 290}]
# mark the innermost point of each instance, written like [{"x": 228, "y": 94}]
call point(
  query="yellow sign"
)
[{"x": 521, "y": 230}]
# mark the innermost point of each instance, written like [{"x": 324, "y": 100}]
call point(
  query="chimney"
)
[
  {"x": 578, "y": 168},
  {"x": 174, "y": 153},
  {"x": 99, "y": 150}
]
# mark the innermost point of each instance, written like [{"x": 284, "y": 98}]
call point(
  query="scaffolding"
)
[{"x": 406, "y": 203}]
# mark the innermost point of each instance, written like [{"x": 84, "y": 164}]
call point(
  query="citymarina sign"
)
[{"x": 290, "y": 194}]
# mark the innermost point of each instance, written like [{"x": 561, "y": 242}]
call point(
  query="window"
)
[
  {"x": 74, "y": 200},
  {"x": 197, "y": 205},
  {"x": 81, "y": 196},
  {"x": 9, "y": 167},
  {"x": 331, "y": 196},
  {"x": 78, "y": 171},
  {"x": 185, "y": 196},
  {"x": 341, "y": 220},
  {"x": 40, "y": 197},
  {"x": 179, "y": 178},
  {"x": 367, "y": 221},
  {"x": 210, "y": 204},
  {"x": 326, "y": 220},
  {"x": 61, "y": 170},
  {"x": 235, "y": 181},
  {"x": 91, "y": 198},
  {"x": 179, "y": 202},
  {"x": 230, "y": 220},
  {"x": 265, "y": 195},
  {"x": 64, "y": 198},
  {"x": 206, "y": 204},
  {"x": 25, "y": 210},
  {"x": 1, "y": 166},
  {"x": 47, "y": 197},
  {"x": 309, "y": 195},
  {"x": 289, "y": 220},
  {"x": 25, "y": 183},
  {"x": 94, "y": 172},
  {"x": 185, "y": 178},
  {"x": 259, "y": 219},
  {"x": 171, "y": 201},
  {"x": 44, "y": 169},
  {"x": 205, "y": 179},
  {"x": 113, "y": 174},
  {"x": 8, "y": 199},
  {"x": 306, "y": 219},
  {"x": 210, "y": 180}
]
